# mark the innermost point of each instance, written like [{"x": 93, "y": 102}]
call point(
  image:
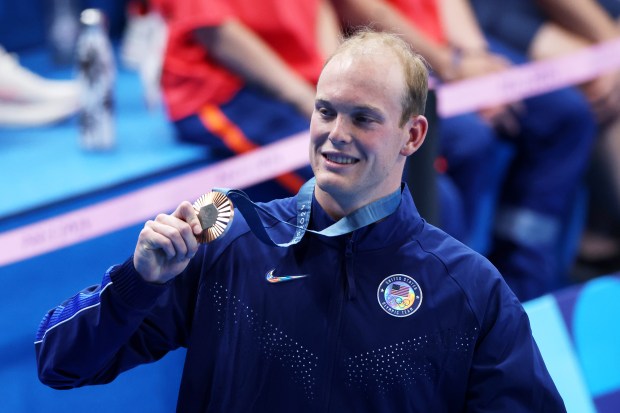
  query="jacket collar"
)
[{"x": 404, "y": 223}]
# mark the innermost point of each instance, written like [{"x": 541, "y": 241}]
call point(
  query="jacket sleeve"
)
[
  {"x": 508, "y": 373},
  {"x": 112, "y": 327}
]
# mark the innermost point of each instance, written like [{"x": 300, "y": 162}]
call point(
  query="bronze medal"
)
[{"x": 215, "y": 211}]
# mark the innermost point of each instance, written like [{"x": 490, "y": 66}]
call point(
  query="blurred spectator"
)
[
  {"x": 551, "y": 133},
  {"x": 143, "y": 46},
  {"x": 237, "y": 76},
  {"x": 551, "y": 28},
  {"x": 27, "y": 99}
]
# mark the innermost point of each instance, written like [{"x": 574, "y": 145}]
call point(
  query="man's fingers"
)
[
  {"x": 172, "y": 235},
  {"x": 166, "y": 244},
  {"x": 166, "y": 237},
  {"x": 158, "y": 242},
  {"x": 186, "y": 213}
]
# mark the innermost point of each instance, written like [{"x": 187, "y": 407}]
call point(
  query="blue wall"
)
[{"x": 23, "y": 23}]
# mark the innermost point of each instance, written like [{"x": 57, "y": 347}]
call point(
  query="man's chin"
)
[
  {"x": 336, "y": 187},
  {"x": 330, "y": 181}
]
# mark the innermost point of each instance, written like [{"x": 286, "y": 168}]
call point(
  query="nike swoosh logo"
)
[{"x": 277, "y": 279}]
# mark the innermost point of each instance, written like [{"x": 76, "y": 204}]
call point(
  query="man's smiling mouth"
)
[{"x": 340, "y": 159}]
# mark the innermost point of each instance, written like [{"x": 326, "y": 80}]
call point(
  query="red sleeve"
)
[
  {"x": 188, "y": 15},
  {"x": 424, "y": 15}
]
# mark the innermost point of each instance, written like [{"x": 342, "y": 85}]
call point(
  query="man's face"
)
[{"x": 357, "y": 148}]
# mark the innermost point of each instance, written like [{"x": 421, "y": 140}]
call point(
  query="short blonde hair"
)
[{"x": 414, "y": 66}]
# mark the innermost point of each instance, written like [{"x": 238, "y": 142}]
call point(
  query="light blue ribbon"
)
[{"x": 366, "y": 215}]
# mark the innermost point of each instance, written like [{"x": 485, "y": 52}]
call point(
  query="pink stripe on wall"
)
[
  {"x": 527, "y": 80},
  {"x": 136, "y": 207}
]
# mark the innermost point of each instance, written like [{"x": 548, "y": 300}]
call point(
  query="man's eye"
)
[
  {"x": 325, "y": 112},
  {"x": 362, "y": 119}
]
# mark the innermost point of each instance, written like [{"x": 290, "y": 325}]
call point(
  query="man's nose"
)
[{"x": 340, "y": 131}]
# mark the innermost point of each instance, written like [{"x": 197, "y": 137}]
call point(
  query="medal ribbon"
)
[{"x": 359, "y": 218}]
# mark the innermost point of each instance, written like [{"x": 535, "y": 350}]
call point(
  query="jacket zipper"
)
[
  {"x": 351, "y": 286},
  {"x": 348, "y": 292}
]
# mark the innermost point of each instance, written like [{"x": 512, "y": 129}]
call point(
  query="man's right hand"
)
[{"x": 166, "y": 244}]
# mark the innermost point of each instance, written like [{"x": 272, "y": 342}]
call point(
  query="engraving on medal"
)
[
  {"x": 215, "y": 212},
  {"x": 208, "y": 216}
]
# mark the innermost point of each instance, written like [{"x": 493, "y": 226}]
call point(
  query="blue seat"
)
[
  {"x": 577, "y": 331},
  {"x": 481, "y": 235}
]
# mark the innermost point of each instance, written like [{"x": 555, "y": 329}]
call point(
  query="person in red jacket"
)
[{"x": 237, "y": 75}]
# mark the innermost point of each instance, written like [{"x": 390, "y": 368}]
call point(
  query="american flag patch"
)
[{"x": 401, "y": 290}]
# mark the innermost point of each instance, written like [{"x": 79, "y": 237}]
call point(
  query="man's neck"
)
[
  {"x": 338, "y": 207},
  {"x": 335, "y": 207}
]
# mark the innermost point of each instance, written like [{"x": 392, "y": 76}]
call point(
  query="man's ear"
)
[{"x": 417, "y": 127}]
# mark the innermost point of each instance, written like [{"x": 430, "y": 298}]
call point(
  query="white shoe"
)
[
  {"x": 34, "y": 113},
  {"x": 27, "y": 99},
  {"x": 142, "y": 49}
]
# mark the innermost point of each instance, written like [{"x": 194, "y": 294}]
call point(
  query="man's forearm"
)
[
  {"x": 584, "y": 17},
  {"x": 383, "y": 16},
  {"x": 242, "y": 52},
  {"x": 461, "y": 25}
]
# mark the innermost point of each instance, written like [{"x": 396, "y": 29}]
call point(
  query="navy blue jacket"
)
[{"x": 394, "y": 317}]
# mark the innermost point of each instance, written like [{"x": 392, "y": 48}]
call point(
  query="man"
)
[{"x": 392, "y": 315}]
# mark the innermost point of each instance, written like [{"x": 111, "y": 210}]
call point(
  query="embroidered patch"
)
[{"x": 399, "y": 295}]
